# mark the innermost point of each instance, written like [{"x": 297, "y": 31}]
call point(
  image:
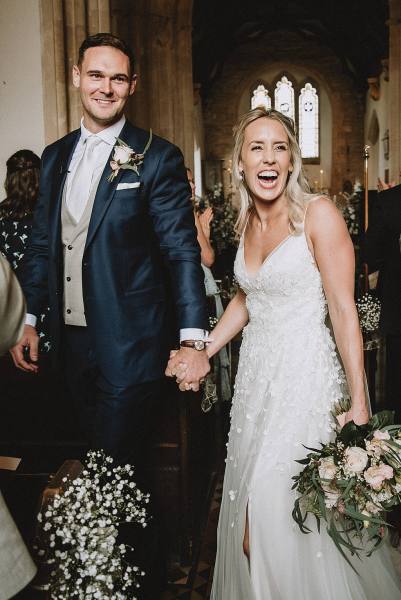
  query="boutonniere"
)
[{"x": 125, "y": 157}]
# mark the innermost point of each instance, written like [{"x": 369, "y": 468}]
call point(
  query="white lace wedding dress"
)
[{"x": 288, "y": 379}]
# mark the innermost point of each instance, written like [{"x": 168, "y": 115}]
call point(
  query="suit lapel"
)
[
  {"x": 68, "y": 147},
  {"x": 106, "y": 189}
]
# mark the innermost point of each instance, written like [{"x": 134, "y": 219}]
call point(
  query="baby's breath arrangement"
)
[
  {"x": 369, "y": 312},
  {"x": 79, "y": 529}
]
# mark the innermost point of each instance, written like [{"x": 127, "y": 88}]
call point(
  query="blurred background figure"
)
[
  {"x": 29, "y": 412},
  {"x": 202, "y": 222},
  {"x": 218, "y": 383},
  {"x": 16, "y": 218},
  {"x": 383, "y": 253}
]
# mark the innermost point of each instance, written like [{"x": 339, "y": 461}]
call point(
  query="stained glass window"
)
[
  {"x": 309, "y": 122},
  {"x": 284, "y": 97},
  {"x": 261, "y": 98}
]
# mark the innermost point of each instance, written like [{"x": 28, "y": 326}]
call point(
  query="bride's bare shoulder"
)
[{"x": 321, "y": 212}]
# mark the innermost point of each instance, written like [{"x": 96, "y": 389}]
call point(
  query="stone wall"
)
[{"x": 288, "y": 51}]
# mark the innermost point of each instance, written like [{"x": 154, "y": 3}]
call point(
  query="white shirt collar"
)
[{"x": 108, "y": 135}]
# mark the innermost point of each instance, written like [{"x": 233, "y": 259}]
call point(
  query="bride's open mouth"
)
[{"x": 268, "y": 178}]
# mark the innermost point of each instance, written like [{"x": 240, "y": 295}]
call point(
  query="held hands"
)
[
  {"x": 189, "y": 367},
  {"x": 30, "y": 342}
]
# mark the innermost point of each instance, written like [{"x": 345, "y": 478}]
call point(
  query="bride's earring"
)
[{"x": 241, "y": 175}]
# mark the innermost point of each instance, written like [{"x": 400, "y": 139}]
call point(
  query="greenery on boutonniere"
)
[{"x": 125, "y": 157}]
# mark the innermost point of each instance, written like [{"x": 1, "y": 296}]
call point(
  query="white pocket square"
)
[{"x": 128, "y": 186}]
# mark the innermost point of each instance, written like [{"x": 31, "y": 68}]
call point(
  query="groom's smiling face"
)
[{"x": 105, "y": 82}]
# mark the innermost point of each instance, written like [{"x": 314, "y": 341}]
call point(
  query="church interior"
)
[{"x": 333, "y": 67}]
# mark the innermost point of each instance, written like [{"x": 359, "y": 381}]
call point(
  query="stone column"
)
[
  {"x": 64, "y": 25},
  {"x": 160, "y": 33},
  {"x": 395, "y": 89},
  {"x": 54, "y": 71}
]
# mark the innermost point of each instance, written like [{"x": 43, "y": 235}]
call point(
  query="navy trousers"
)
[{"x": 119, "y": 420}]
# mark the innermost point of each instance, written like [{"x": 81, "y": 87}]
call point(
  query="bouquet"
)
[
  {"x": 351, "y": 483},
  {"x": 79, "y": 529}
]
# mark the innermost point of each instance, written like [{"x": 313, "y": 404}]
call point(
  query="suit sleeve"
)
[
  {"x": 173, "y": 222},
  {"x": 33, "y": 273},
  {"x": 375, "y": 239}
]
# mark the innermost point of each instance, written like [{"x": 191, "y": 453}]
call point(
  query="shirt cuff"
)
[
  {"x": 193, "y": 334},
  {"x": 30, "y": 320}
]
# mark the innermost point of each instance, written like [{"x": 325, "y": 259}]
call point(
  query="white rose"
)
[
  {"x": 122, "y": 154},
  {"x": 327, "y": 468},
  {"x": 356, "y": 459}
]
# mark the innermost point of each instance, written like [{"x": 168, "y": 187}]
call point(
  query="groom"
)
[{"x": 114, "y": 244}]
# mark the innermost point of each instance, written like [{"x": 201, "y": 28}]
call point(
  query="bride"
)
[{"x": 295, "y": 260}]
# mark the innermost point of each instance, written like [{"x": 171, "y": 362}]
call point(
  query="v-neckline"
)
[{"x": 253, "y": 275}]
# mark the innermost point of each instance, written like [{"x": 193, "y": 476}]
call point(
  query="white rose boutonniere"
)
[{"x": 125, "y": 157}]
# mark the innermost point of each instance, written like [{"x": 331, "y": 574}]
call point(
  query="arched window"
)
[
  {"x": 304, "y": 111},
  {"x": 284, "y": 97},
  {"x": 260, "y": 97},
  {"x": 308, "y": 120}
]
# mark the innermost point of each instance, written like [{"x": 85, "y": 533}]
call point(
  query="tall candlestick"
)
[{"x": 321, "y": 180}]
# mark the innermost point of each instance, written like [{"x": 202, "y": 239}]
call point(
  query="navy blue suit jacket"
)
[
  {"x": 382, "y": 251},
  {"x": 141, "y": 267}
]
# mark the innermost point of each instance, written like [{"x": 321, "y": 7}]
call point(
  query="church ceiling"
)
[{"x": 355, "y": 30}]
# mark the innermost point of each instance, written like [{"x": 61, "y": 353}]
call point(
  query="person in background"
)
[
  {"x": 383, "y": 253},
  {"x": 221, "y": 362},
  {"x": 16, "y": 218},
  {"x": 202, "y": 222}
]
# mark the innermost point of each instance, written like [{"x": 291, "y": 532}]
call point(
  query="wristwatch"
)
[{"x": 196, "y": 344}]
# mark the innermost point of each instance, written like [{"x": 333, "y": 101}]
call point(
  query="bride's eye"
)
[
  {"x": 257, "y": 147},
  {"x": 281, "y": 147}
]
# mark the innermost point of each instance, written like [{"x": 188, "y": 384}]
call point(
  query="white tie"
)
[{"x": 82, "y": 181}]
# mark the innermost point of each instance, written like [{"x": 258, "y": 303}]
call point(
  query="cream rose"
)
[
  {"x": 122, "y": 154},
  {"x": 375, "y": 476},
  {"x": 356, "y": 459},
  {"x": 381, "y": 435},
  {"x": 327, "y": 468}
]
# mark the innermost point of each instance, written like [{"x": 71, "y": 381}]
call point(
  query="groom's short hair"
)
[{"x": 107, "y": 39}]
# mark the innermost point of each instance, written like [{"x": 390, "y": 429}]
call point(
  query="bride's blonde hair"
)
[{"x": 297, "y": 188}]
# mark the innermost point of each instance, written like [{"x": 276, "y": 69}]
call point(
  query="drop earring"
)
[{"x": 241, "y": 175}]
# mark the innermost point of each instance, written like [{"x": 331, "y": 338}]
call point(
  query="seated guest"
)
[
  {"x": 16, "y": 217},
  {"x": 382, "y": 252}
]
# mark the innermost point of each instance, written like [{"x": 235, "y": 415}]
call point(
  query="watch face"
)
[{"x": 199, "y": 345}]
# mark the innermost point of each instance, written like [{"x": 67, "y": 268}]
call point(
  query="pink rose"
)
[{"x": 375, "y": 476}]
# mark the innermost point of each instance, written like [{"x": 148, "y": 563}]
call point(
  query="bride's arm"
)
[
  {"x": 334, "y": 255},
  {"x": 235, "y": 317}
]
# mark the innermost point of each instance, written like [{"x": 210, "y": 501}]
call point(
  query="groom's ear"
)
[
  {"x": 76, "y": 76},
  {"x": 132, "y": 85}
]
